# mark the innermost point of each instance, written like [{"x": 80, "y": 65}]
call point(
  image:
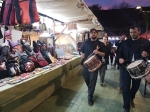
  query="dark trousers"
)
[
  {"x": 90, "y": 80},
  {"x": 111, "y": 60},
  {"x": 121, "y": 77},
  {"x": 129, "y": 93},
  {"x": 102, "y": 70}
]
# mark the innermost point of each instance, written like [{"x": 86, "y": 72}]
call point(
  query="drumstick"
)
[{"x": 97, "y": 47}]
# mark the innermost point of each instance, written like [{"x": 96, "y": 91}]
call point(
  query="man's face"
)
[
  {"x": 134, "y": 33},
  {"x": 93, "y": 35}
]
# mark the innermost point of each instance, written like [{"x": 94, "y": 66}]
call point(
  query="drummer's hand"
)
[
  {"x": 144, "y": 54},
  {"x": 121, "y": 60},
  {"x": 82, "y": 55},
  {"x": 96, "y": 52}
]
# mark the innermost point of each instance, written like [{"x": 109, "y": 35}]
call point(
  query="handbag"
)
[
  {"x": 34, "y": 15},
  {"x": 25, "y": 16},
  {"x": 7, "y": 12}
]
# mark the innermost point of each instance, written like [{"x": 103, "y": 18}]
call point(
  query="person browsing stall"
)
[
  {"x": 132, "y": 49},
  {"x": 87, "y": 49}
]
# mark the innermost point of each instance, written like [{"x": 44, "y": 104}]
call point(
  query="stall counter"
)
[{"x": 26, "y": 95}]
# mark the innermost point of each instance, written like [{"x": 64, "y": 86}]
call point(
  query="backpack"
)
[
  {"x": 7, "y": 11},
  {"x": 34, "y": 11},
  {"x": 42, "y": 62},
  {"x": 24, "y": 11}
]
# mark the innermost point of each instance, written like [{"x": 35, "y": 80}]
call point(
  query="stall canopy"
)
[
  {"x": 69, "y": 11},
  {"x": 144, "y": 35}
]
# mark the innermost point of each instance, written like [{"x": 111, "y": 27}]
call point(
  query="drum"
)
[
  {"x": 137, "y": 69},
  {"x": 92, "y": 63},
  {"x": 147, "y": 78}
]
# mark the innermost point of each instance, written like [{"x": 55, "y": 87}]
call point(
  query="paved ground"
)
[{"x": 72, "y": 97}]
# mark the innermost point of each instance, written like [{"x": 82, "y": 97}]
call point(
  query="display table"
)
[{"x": 26, "y": 95}]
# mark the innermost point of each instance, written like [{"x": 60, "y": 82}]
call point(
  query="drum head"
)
[{"x": 134, "y": 64}]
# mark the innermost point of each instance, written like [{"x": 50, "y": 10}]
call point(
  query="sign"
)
[{"x": 16, "y": 35}]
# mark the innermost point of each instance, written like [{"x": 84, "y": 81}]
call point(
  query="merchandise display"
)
[
  {"x": 65, "y": 51},
  {"x": 36, "y": 72},
  {"x": 22, "y": 59}
]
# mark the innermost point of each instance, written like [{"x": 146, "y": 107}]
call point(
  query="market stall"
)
[
  {"x": 38, "y": 49},
  {"x": 32, "y": 91}
]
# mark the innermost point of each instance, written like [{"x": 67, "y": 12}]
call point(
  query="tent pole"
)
[{"x": 146, "y": 29}]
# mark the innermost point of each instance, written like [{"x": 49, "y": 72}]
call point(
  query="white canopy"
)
[{"x": 69, "y": 11}]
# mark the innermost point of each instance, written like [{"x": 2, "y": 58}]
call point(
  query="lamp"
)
[{"x": 138, "y": 7}]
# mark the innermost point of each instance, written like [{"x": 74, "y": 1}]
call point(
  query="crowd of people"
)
[{"x": 128, "y": 50}]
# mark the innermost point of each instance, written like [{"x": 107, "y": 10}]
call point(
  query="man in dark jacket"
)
[
  {"x": 118, "y": 44},
  {"x": 88, "y": 48},
  {"x": 132, "y": 49}
]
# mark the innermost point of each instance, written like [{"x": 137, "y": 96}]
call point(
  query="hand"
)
[
  {"x": 82, "y": 55},
  {"x": 121, "y": 60},
  {"x": 120, "y": 41},
  {"x": 96, "y": 52},
  {"x": 144, "y": 54}
]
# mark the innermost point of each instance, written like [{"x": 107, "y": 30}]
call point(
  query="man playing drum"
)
[
  {"x": 87, "y": 49},
  {"x": 132, "y": 49}
]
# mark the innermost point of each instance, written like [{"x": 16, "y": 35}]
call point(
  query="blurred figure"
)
[
  {"x": 112, "y": 55},
  {"x": 105, "y": 60},
  {"x": 86, "y": 36},
  {"x": 118, "y": 44}
]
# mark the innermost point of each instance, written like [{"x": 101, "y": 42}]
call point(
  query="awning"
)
[{"x": 68, "y": 11}]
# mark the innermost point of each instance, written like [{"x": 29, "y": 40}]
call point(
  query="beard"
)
[
  {"x": 93, "y": 38},
  {"x": 135, "y": 37}
]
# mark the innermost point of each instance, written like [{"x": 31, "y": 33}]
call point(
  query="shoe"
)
[
  {"x": 126, "y": 110},
  {"x": 102, "y": 84},
  {"x": 132, "y": 103},
  {"x": 121, "y": 89},
  {"x": 90, "y": 103}
]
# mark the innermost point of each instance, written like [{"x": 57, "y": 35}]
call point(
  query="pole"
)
[{"x": 146, "y": 29}]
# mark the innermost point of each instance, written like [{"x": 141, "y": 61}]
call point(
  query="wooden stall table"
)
[{"x": 26, "y": 95}]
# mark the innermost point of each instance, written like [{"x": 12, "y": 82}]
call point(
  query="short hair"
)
[
  {"x": 133, "y": 27},
  {"x": 93, "y": 29}
]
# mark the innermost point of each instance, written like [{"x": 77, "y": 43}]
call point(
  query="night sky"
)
[{"x": 108, "y": 3}]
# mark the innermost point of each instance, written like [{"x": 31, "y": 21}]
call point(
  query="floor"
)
[{"x": 72, "y": 97}]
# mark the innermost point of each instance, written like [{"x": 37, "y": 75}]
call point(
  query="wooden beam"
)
[{"x": 61, "y": 33}]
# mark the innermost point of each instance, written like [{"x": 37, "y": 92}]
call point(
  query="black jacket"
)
[
  {"x": 136, "y": 47},
  {"x": 118, "y": 45},
  {"x": 89, "y": 46}
]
